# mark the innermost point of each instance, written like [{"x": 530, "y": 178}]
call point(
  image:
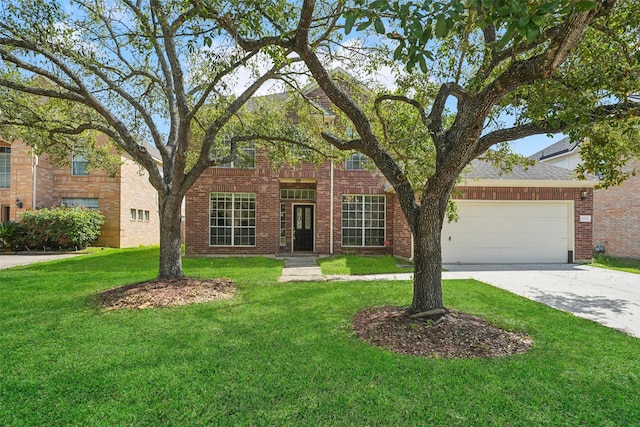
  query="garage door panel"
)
[{"x": 496, "y": 232}]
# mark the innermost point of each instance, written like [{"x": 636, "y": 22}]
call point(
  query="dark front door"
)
[{"x": 303, "y": 228}]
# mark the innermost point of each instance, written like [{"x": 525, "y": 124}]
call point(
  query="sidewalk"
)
[{"x": 306, "y": 269}]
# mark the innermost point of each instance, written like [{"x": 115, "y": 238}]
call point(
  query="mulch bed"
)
[
  {"x": 167, "y": 293},
  {"x": 455, "y": 335}
]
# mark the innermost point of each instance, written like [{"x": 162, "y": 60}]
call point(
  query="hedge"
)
[{"x": 62, "y": 227}]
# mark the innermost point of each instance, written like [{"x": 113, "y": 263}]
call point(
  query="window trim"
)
[
  {"x": 79, "y": 153},
  {"x": 249, "y": 149},
  {"x": 362, "y": 160},
  {"x": 362, "y": 227},
  {"x": 5, "y": 155},
  {"x": 283, "y": 225},
  {"x": 233, "y": 217}
]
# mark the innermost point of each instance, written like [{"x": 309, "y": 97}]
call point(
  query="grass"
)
[
  {"x": 621, "y": 264},
  {"x": 284, "y": 354},
  {"x": 358, "y": 265}
]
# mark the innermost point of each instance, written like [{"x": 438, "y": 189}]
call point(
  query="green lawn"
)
[
  {"x": 356, "y": 264},
  {"x": 621, "y": 264},
  {"x": 284, "y": 354}
]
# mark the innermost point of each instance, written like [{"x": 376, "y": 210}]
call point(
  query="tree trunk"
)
[
  {"x": 427, "y": 253},
  {"x": 170, "y": 237}
]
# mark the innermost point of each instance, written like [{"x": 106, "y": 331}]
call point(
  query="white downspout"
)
[
  {"x": 35, "y": 181},
  {"x": 331, "y": 214}
]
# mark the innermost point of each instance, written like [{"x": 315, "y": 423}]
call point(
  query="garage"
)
[{"x": 509, "y": 232}]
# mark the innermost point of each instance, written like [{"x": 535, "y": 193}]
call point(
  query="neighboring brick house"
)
[
  {"x": 128, "y": 201},
  {"x": 616, "y": 210}
]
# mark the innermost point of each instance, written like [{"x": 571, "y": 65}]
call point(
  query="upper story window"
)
[
  {"x": 357, "y": 161},
  {"x": 246, "y": 157},
  {"x": 5, "y": 167},
  {"x": 79, "y": 163}
]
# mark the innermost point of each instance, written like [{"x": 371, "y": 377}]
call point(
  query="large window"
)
[
  {"x": 246, "y": 157},
  {"x": 357, "y": 161},
  {"x": 5, "y": 167},
  {"x": 84, "y": 202},
  {"x": 363, "y": 220},
  {"x": 232, "y": 219},
  {"x": 79, "y": 162}
]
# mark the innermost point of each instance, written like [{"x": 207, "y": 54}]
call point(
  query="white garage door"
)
[{"x": 509, "y": 232}]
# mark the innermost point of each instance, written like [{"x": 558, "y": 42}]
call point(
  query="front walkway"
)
[{"x": 609, "y": 297}]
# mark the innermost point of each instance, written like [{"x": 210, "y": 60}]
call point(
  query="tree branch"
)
[{"x": 606, "y": 112}]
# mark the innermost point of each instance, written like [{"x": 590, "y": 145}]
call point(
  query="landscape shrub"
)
[
  {"x": 62, "y": 227},
  {"x": 12, "y": 235}
]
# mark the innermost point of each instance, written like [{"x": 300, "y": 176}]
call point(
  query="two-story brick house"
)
[
  {"x": 540, "y": 214},
  {"x": 127, "y": 200}
]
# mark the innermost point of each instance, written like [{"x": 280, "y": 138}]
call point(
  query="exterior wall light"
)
[{"x": 18, "y": 203}]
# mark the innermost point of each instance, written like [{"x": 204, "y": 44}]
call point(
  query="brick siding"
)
[{"x": 616, "y": 213}]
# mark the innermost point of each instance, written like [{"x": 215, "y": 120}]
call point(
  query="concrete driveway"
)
[
  {"x": 609, "y": 297},
  {"x": 7, "y": 261}
]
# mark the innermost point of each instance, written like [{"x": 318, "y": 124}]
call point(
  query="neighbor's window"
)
[
  {"x": 246, "y": 156},
  {"x": 363, "y": 220},
  {"x": 132, "y": 214},
  {"x": 79, "y": 163},
  {"x": 232, "y": 219},
  {"x": 5, "y": 167},
  {"x": 89, "y": 203},
  {"x": 146, "y": 216},
  {"x": 357, "y": 161},
  {"x": 139, "y": 215}
]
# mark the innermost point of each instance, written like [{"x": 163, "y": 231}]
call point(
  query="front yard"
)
[
  {"x": 621, "y": 264},
  {"x": 285, "y": 354}
]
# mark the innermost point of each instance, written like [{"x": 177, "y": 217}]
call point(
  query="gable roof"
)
[
  {"x": 564, "y": 146},
  {"x": 485, "y": 173},
  {"x": 153, "y": 151}
]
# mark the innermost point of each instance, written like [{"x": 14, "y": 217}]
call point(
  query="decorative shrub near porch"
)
[{"x": 62, "y": 227}]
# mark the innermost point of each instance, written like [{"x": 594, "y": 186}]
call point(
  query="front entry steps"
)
[{"x": 301, "y": 269}]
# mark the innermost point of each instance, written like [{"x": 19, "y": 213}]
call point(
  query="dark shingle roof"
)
[
  {"x": 481, "y": 169},
  {"x": 563, "y": 146}
]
